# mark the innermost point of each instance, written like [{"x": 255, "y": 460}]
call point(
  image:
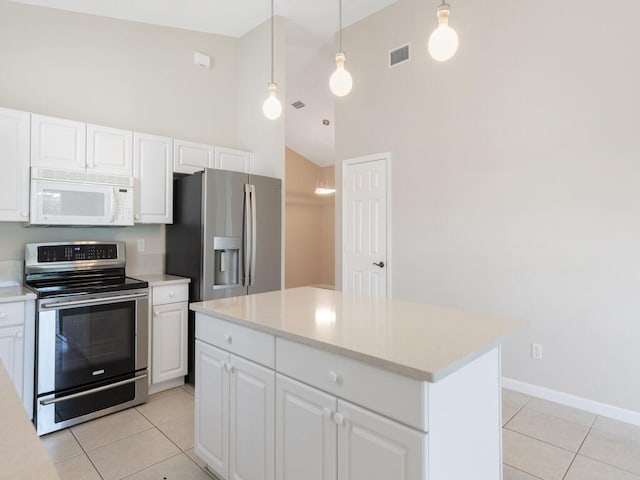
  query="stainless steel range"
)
[{"x": 91, "y": 332}]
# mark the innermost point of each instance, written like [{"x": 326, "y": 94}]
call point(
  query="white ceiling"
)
[{"x": 311, "y": 25}]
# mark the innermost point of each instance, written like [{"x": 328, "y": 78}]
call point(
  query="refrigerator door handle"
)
[
  {"x": 254, "y": 232},
  {"x": 246, "y": 243}
]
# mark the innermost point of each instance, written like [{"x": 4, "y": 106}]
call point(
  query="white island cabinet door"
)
[
  {"x": 14, "y": 157},
  {"x": 252, "y": 404},
  {"x": 306, "y": 434},
  {"x": 153, "y": 178},
  {"x": 109, "y": 150},
  {"x": 212, "y": 408},
  {"x": 169, "y": 341},
  {"x": 373, "y": 447},
  {"x": 58, "y": 143}
]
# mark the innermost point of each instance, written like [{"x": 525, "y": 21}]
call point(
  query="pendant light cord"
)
[
  {"x": 340, "y": 17},
  {"x": 272, "y": 61}
]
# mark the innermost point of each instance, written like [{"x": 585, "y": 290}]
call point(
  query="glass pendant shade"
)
[
  {"x": 272, "y": 108},
  {"x": 443, "y": 42},
  {"x": 340, "y": 81}
]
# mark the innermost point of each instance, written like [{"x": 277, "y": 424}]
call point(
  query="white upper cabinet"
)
[
  {"x": 231, "y": 159},
  {"x": 58, "y": 143},
  {"x": 190, "y": 157},
  {"x": 14, "y": 158},
  {"x": 153, "y": 178},
  {"x": 109, "y": 150},
  {"x": 70, "y": 145}
]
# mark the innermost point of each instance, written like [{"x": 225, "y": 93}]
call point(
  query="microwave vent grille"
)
[{"x": 80, "y": 177}]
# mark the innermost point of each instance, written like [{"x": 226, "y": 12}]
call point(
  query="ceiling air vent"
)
[
  {"x": 399, "y": 55},
  {"x": 298, "y": 105}
]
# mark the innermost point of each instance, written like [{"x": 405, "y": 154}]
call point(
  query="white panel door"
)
[
  {"x": 109, "y": 150},
  {"x": 364, "y": 230},
  {"x": 169, "y": 342},
  {"x": 190, "y": 157},
  {"x": 58, "y": 143},
  {"x": 11, "y": 354},
  {"x": 153, "y": 178},
  {"x": 306, "y": 435},
  {"x": 251, "y": 429},
  {"x": 14, "y": 158},
  {"x": 373, "y": 447},
  {"x": 212, "y": 408},
  {"x": 234, "y": 160}
]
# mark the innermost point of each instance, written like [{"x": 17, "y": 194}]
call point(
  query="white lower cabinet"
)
[
  {"x": 306, "y": 433},
  {"x": 320, "y": 437},
  {"x": 168, "y": 344},
  {"x": 372, "y": 447},
  {"x": 12, "y": 353},
  {"x": 17, "y": 333},
  {"x": 234, "y": 413}
]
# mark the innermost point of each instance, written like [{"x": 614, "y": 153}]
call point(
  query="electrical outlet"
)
[
  {"x": 141, "y": 245},
  {"x": 536, "y": 351}
]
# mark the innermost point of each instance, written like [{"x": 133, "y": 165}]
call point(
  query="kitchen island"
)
[
  {"x": 316, "y": 384},
  {"x": 22, "y": 455}
]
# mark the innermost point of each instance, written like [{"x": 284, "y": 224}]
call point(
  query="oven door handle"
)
[
  {"x": 93, "y": 390},
  {"x": 93, "y": 301}
]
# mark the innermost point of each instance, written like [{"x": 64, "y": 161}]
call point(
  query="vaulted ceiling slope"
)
[{"x": 311, "y": 26}]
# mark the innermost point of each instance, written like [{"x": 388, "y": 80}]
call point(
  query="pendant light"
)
[
  {"x": 340, "y": 81},
  {"x": 443, "y": 42},
  {"x": 272, "y": 108}
]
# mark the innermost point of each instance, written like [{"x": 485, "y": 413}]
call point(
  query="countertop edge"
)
[{"x": 404, "y": 370}]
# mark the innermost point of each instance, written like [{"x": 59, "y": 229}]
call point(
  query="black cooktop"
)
[
  {"x": 77, "y": 288},
  {"x": 54, "y": 284}
]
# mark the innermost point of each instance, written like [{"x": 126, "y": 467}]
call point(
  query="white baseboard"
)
[{"x": 617, "y": 413}]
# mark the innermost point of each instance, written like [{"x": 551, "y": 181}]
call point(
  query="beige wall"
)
[
  {"x": 139, "y": 77},
  {"x": 515, "y": 175},
  {"x": 309, "y": 237}
]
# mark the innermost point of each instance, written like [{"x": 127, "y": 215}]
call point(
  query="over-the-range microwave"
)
[{"x": 63, "y": 197}]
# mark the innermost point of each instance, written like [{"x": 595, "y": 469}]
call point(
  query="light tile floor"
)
[
  {"x": 541, "y": 440},
  {"x": 544, "y": 440}
]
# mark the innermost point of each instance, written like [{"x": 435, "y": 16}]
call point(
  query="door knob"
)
[{"x": 379, "y": 264}]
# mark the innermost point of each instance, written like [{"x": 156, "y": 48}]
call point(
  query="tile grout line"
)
[
  {"x": 541, "y": 441},
  {"x": 152, "y": 465},
  {"x": 86, "y": 454},
  {"x": 523, "y": 471},
  {"x": 517, "y": 412}
]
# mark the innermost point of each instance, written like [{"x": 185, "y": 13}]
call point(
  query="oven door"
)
[{"x": 91, "y": 356}]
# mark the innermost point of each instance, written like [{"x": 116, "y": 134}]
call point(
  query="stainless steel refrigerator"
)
[{"x": 225, "y": 236}]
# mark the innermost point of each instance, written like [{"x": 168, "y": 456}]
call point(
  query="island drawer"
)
[
  {"x": 401, "y": 398},
  {"x": 11, "y": 313},
  {"x": 245, "y": 342},
  {"x": 170, "y": 293}
]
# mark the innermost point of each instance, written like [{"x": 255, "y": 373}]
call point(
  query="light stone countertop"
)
[
  {"x": 15, "y": 294},
  {"x": 22, "y": 455},
  {"x": 162, "y": 279},
  {"x": 420, "y": 341}
]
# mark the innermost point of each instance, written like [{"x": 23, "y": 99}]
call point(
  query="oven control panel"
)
[{"x": 73, "y": 253}]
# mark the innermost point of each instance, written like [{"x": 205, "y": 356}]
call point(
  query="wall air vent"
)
[
  {"x": 298, "y": 105},
  {"x": 398, "y": 55}
]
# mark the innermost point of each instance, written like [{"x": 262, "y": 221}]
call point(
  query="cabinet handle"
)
[
  {"x": 156, "y": 313},
  {"x": 137, "y": 217},
  {"x": 3, "y": 315},
  {"x": 227, "y": 337},
  {"x": 228, "y": 367},
  {"x": 338, "y": 418},
  {"x": 171, "y": 294},
  {"x": 18, "y": 334},
  {"x": 326, "y": 413},
  {"x": 334, "y": 377}
]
